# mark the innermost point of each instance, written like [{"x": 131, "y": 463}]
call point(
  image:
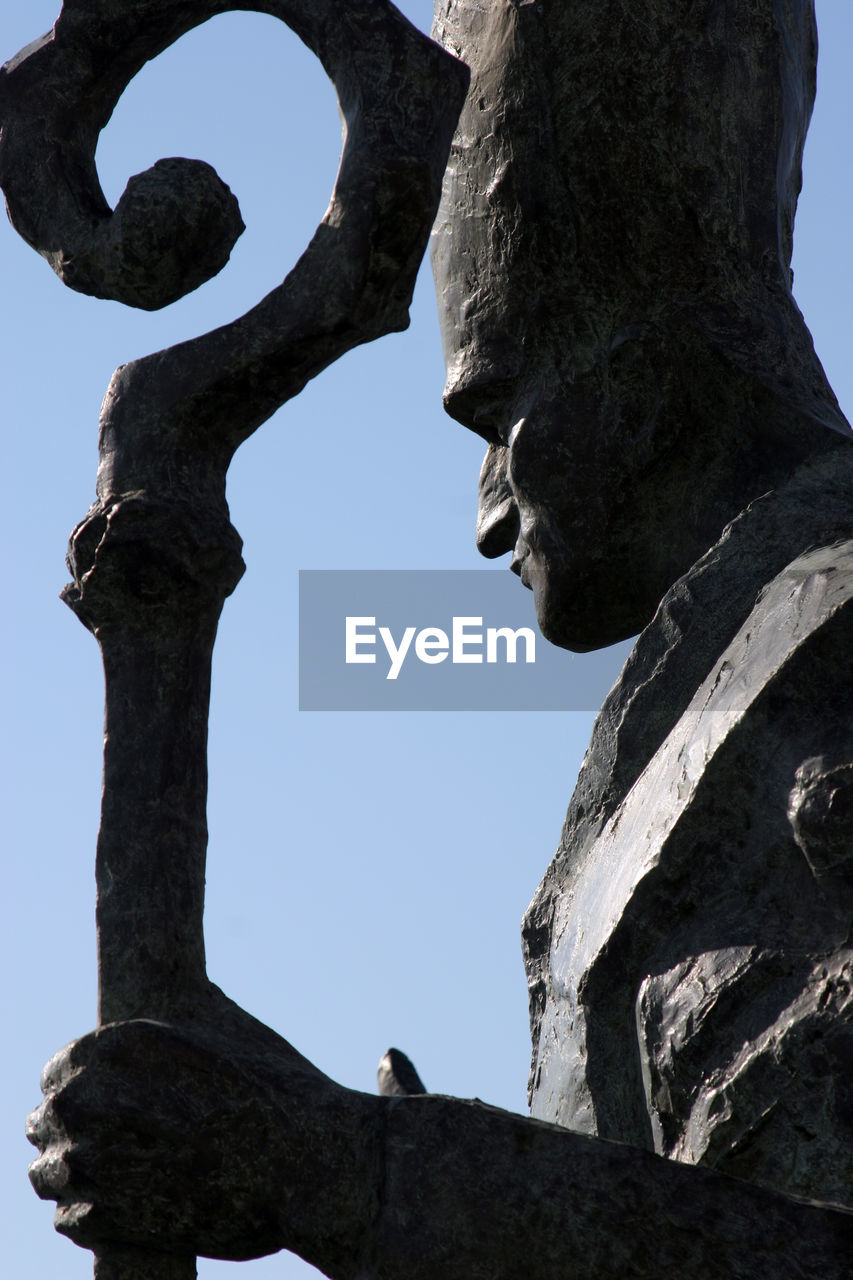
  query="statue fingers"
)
[{"x": 49, "y": 1173}]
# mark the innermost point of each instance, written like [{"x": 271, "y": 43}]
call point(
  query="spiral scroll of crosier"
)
[{"x": 154, "y": 558}]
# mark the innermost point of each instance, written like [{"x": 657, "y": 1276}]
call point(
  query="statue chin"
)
[
  {"x": 582, "y": 611},
  {"x": 591, "y": 601}
]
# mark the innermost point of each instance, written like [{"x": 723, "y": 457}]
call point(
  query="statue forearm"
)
[
  {"x": 470, "y": 1191},
  {"x": 221, "y": 1140}
]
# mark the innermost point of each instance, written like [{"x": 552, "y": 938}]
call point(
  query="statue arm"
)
[{"x": 237, "y": 1152}]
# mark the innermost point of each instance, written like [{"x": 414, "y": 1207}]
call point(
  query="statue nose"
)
[{"x": 497, "y": 513}]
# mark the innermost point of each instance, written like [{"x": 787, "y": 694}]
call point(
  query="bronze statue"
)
[
  {"x": 656, "y": 415},
  {"x": 612, "y": 259}
]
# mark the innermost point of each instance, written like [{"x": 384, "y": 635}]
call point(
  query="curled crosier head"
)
[{"x": 177, "y": 222}]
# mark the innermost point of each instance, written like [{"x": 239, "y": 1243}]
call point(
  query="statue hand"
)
[
  {"x": 213, "y": 1136},
  {"x": 215, "y": 1139}
]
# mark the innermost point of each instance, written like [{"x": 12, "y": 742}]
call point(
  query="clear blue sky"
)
[{"x": 367, "y": 873}]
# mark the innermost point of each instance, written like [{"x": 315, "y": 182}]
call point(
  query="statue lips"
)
[
  {"x": 518, "y": 563},
  {"x": 533, "y": 554}
]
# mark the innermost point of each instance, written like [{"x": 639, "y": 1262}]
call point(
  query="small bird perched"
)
[{"x": 397, "y": 1077}]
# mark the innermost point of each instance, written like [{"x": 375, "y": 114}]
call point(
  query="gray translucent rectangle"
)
[{"x": 440, "y": 640}]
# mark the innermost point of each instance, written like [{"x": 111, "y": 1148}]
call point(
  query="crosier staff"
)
[{"x": 156, "y": 555}]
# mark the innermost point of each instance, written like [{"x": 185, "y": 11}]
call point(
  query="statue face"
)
[
  {"x": 614, "y": 294},
  {"x": 561, "y": 356},
  {"x": 572, "y": 483},
  {"x": 610, "y": 472}
]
